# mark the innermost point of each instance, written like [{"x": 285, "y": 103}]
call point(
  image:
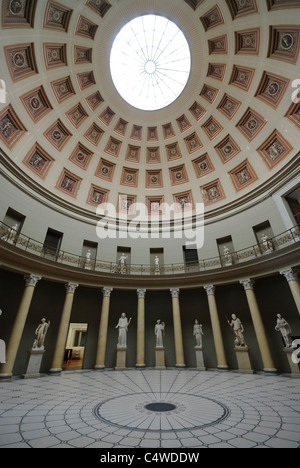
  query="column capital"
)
[
  {"x": 141, "y": 293},
  {"x": 248, "y": 284},
  {"x": 175, "y": 293},
  {"x": 210, "y": 290},
  {"x": 107, "y": 292},
  {"x": 71, "y": 287},
  {"x": 32, "y": 280},
  {"x": 290, "y": 274}
]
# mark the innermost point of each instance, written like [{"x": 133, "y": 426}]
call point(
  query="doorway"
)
[{"x": 75, "y": 347}]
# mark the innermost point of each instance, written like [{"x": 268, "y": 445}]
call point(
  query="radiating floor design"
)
[{"x": 150, "y": 409}]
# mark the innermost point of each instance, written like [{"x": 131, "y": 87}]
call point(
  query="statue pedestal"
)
[
  {"x": 35, "y": 357},
  {"x": 160, "y": 358},
  {"x": 121, "y": 359},
  {"x": 243, "y": 359},
  {"x": 295, "y": 368},
  {"x": 199, "y": 358}
]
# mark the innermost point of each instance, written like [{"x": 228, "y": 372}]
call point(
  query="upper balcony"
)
[{"x": 24, "y": 254}]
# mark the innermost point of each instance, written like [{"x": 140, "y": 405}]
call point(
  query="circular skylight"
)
[{"x": 150, "y": 62}]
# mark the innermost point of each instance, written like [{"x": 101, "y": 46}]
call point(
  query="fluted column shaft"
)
[
  {"x": 140, "y": 353},
  {"x": 177, "y": 328},
  {"x": 292, "y": 278},
  {"x": 103, "y": 329},
  {"x": 18, "y": 327},
  {"x": 259, "y": 328},
  {"x": 63, "y": 328},
  {"x": 216, "y": 328}
]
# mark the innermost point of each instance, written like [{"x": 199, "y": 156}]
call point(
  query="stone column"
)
[
  {"x": 216, "y": 327},
  {"x": 177, "y": 328},
  {"x": 261, "y": 336},
  {"x": 140, "y": 353},
  {"x": 18, "y": 327},
  {"x": 292, "y": 278},
  {"x": 63, "y": 329},
  {"x": 102, "y": 336}
]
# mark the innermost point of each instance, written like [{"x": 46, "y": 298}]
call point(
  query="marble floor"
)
[{"x": 150, "y": 409}]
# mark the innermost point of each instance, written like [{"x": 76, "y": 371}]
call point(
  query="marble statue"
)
[
  {"x": 198, "y": 333},
  {"x": 267, "y": 243},
  {"x": 12, "y": 234},
  {"x": 40, "y": 334},
  {"x": 238, "y": 329},
  {"x": 228, "y": 256},
  {"x": 159, "y": 333},
  {"x": 286, "y": 331},
  {"x": 123, "y": 329},
  {"x": 122, "y": 263},
  {"x": 88, "y": 262},
  {"x": 157, "y": 268}
]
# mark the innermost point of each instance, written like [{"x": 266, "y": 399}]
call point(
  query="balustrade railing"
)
[{"x": 267, "y": 247}]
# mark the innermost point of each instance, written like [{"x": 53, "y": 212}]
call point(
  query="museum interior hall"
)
[{"x": 149, "y": 224}]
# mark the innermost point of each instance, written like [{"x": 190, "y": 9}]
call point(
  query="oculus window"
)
[{"x": 150, "y": 62}]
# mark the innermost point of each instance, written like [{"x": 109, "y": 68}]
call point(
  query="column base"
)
[
  {"x": 223, "y": 368},
  {"x": 180, "y": 366},
  {"x": 5, "y": 376},
  {"x": 99, "y": 368},
  {"x": 140, "y": 366},
  {"x": 271, "y": 372},
  {"x": 55, "y": 371}
]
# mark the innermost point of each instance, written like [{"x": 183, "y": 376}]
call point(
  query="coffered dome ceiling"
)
[{"x": 70, "y": 134}]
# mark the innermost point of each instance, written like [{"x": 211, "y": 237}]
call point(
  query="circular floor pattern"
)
[
  {"x": 161, "y": 411},
  {"x": 59, "y": 411}
]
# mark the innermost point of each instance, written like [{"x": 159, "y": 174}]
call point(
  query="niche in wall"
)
[
  {"x": 52, "y": 243},
  {"x": 226, "y": 249},
  {"x": 88, "y": 255},
  {"x": 293, "y": 200},
  {"x": 264, "y": 235},
  {"x": 126, "y": 253},
  {"x": 14, "y": 221},
  {"x": 190, "y": 256},
  {"x": 153, "y": 254}
]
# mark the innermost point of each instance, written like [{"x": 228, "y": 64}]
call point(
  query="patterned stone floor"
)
[{"x": 110, "y": 409}]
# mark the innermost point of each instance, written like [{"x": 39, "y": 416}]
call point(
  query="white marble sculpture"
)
[
  {"x": 267, "y": 243},
  {"x": 159, "y": 333},
  {"x": 88, "y": 262},
  {"x": 122, "y": 263},
  {"x": 123, "y": 325},
  {"x": 40, "y": 334},
  {"x": 198, "y": 333},
  {"x": 12, "y": 234},
  {"x": 238, "y": 329},
  {"x": 157, "y": 268},
  {"x": 286, "y": 331},
  {"x": 228, "y": 256}
]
